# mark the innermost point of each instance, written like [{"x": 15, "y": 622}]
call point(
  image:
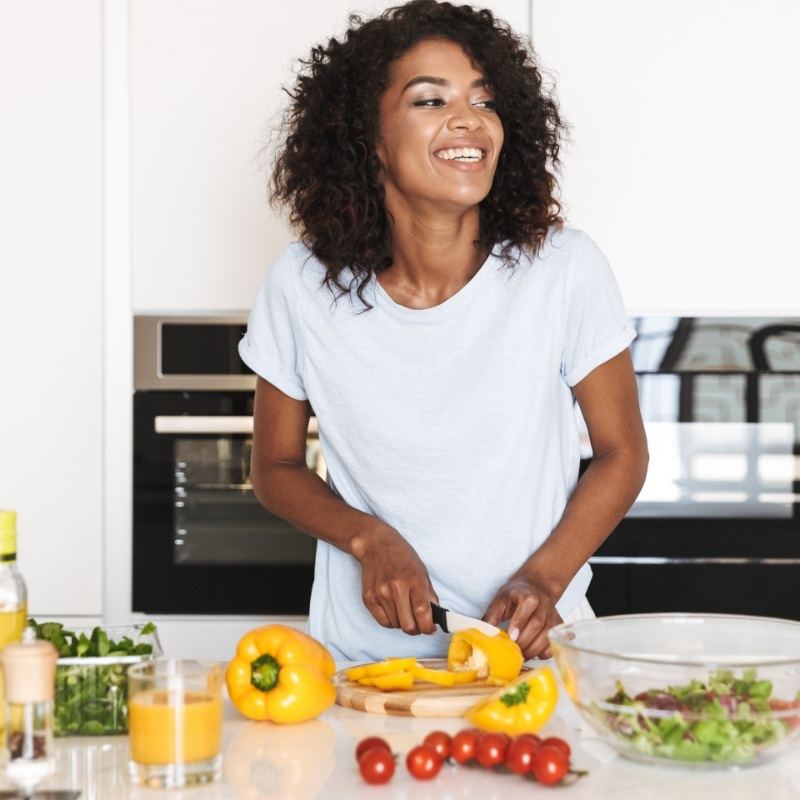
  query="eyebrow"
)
[{"x": 440, "y": 82}]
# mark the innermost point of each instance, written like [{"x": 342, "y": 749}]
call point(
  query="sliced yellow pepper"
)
[
  {"x": 523, "y": 706},
  {"x": 495, "y": 658},
  {"x": 380, "y": 668},
  {"x": 443, "y": 677},
  {"x": 395, "y": 680},
  {"x": 280, "y": 674}
]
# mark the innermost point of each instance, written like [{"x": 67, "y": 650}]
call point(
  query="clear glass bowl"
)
[
  {"x": 706, "y": 690},
  {"x": 91, "y": 696}
]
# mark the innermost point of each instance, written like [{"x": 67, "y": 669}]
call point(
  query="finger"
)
[
  {"x": 497, "y": 610},
  {"x": 421, "y": 608},
  {"x": 386, "y": 602},
  {"x": 523, "y": 610},
  {"x": 539, "y": 645},
  {"x": 533, "y": 627},
  {"x": 377, "y": 612},
  {"x": 405, "y": 614}
]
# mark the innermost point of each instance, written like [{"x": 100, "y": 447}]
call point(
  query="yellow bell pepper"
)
[
  {"x": 280, "y": 674},
  {"x": 523, "y": 706},
  {"x": 495, "y": 658},
  {"x": 443, "y": 677},
  {"x": 377, "y": 668},
  {"x": 394, "y": 680}
]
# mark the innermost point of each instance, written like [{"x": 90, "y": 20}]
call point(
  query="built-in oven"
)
[
  {"x": 716, "y": 527},
  {"x": 202, "y": 543}
]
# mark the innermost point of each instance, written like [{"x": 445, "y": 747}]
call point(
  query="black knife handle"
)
[{"x": 440, "y": 616}]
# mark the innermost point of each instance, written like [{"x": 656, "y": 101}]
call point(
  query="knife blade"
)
[{"x": 450, "y": 621}]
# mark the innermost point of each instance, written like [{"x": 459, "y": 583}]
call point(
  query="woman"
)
[{"x": 441, "y": 321}]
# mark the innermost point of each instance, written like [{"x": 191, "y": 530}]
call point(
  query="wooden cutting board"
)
[{"x": 423, "y": 700}]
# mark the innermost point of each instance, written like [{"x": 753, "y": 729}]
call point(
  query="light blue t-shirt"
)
[{"x": 454, "y": 424}]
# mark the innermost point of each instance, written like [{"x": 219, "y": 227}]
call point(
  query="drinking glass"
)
[{"x": 175, "y": 722}]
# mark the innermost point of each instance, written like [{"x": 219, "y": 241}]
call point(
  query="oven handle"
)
[{"x": 213, "y": 425}]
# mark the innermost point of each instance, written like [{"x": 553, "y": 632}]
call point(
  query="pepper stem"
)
[{"x": 265, "y": 671}]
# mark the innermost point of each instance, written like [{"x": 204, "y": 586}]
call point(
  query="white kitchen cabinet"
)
[
  {"x": 51, "y": 297},
  {"x": 684, "y": 162},
  {"x": 205, "y": 90}
]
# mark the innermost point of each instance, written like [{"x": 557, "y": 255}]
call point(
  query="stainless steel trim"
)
[
  {"x": 657, "y": 560},
  {"x": 214, "y": 425},
  {"x": 147, "y": 355}
]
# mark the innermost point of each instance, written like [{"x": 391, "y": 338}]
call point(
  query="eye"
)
[
  {"x": 426, "y": 103},
  {"x": 490, "y": 104}
]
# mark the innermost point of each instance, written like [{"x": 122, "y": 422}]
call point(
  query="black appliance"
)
[
  {"x": 202, "y": 543},
  {"x": 717, "y": 526}
]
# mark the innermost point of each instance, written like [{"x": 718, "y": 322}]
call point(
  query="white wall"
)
[
  {"x": 685, "y": 161},
  {"x": 51, "y": 281},
  {"x": 205, "y": 91}
]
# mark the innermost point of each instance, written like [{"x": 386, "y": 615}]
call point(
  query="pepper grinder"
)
[{"x": 29, "y": 670}]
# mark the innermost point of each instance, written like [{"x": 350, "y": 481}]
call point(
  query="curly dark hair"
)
[{"x": 326, "y": 172}]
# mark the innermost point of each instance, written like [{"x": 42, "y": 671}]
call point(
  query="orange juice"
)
[{"x": 167, "y": 728}]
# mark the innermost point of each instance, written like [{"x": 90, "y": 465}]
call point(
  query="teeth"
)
[{"x": 461, "y": 154}]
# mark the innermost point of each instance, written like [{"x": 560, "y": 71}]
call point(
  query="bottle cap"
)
[
  {"x": 29, "y": 671},
  {"x": 8, "y": 533}
]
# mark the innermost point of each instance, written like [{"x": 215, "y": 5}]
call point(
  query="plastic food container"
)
[
  {"x": 703, "y": 690},
  {"x": 91, "y": 697}
]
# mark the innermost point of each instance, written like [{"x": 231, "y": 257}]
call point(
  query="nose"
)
[{"x": 465, "y": 118}]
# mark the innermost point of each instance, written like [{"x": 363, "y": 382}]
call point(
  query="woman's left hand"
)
[{"x": 531, "y": 611}]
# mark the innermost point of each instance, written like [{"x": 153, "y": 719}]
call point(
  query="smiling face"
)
[{"x": 440, "y": 137}]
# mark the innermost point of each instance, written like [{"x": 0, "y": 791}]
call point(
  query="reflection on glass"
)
[{"x": 718, "y": 470}]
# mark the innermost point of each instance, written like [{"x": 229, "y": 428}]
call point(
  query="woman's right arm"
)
[{"x": 396, "y": 588}]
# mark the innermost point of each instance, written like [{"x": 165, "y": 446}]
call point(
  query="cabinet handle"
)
[{"x": 213, "y": 425}]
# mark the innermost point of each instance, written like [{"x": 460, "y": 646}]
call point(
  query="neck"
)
[{"x": 434, "y": 254}]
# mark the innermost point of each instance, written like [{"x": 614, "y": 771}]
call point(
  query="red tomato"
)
[
  {"x": 423, "y": 762},
  {"x": 559, "y": 744},
  {"x": 440, "y": 742},
  {"x": 464, "y": 746},
  {"x": 491, "y": 750},
  {"x": 549, "y": 765},
  {"x": 376, "y": 765},
  {"x": 369, "y": 743},
  {"x": 520, "y": 755},
  {"x": 532, "y": 737}
]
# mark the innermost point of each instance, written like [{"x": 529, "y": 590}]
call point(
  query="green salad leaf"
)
[
  {"x": 723, "y": 719},
  {"x": 91, "y": 699}
]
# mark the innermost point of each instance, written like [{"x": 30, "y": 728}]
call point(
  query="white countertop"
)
[{"x": 316, "y": 760}]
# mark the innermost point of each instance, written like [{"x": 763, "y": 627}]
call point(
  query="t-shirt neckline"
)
[{"x": 452, "y": 303}]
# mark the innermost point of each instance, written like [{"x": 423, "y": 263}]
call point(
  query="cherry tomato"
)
[
  {"x": 491, "y": 750},
  {"x": 549, "y": 765},
  {"x": 464, "y": 746},
  {"x": 376, "y": 765},
  {"x": 423, "y": 762},
  {"x": 559, "y": 744},
  {"x": 369, "y": 743},
  {"x": 520, "y": 755},
  {"x": 440, "y": 742},
  {"x": 531, "y": 737}
]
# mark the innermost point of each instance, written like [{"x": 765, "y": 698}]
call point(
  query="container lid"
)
[
  {"x": 29, "y": 671},
  {"x": 8, "y": 533}
]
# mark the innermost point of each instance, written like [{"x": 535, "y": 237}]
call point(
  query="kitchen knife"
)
[{"x": 450, "y": 621}]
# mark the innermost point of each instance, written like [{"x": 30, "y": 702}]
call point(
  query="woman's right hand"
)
[{"x": 395, "y": 586}]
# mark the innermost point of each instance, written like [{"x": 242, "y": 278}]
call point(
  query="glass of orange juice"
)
[{"x": 175, "y": 722}]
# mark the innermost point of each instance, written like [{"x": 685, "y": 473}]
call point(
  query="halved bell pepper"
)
[
  {"x": 280, "y": 674},
  {"x": 523, "y": 706},
  {"x": 495, "y": 658}
]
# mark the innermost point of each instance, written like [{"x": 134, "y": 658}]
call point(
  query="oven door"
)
[{"x": 202, "y": 543}]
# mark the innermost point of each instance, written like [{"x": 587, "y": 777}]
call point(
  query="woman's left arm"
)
[{"x": 608, "y": 400}]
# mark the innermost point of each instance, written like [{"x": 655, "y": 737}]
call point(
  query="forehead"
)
[{"x": 437, "y": 57}]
